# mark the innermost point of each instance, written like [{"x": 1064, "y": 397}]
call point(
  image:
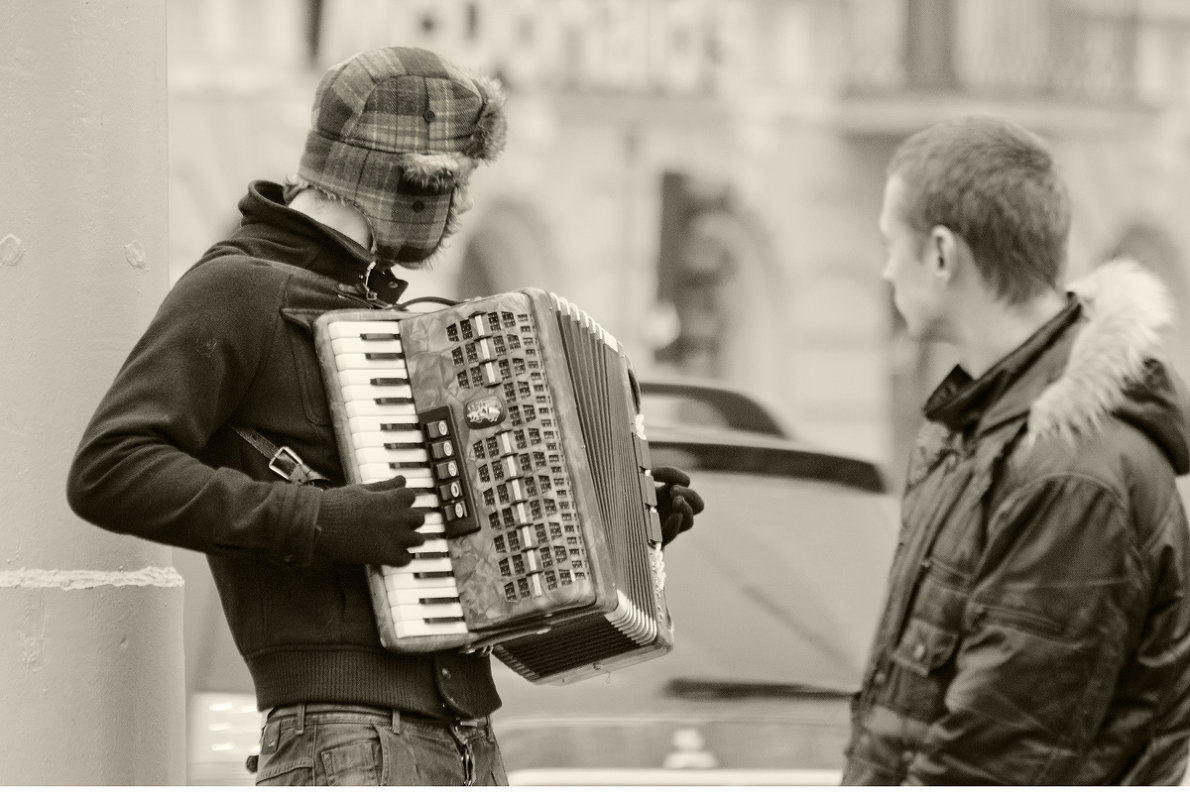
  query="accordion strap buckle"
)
[
  {"x": 290, "y": 467},
  {"x": 283, "y": 461}
]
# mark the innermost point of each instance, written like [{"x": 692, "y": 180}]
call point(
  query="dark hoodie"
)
[
  {"x": 232, "y": 344},
  {"x": 1037, "y": 628}
]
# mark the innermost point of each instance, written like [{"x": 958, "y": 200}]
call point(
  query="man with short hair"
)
[
  {"x": 227, "y": 373},
  {"x": 1037, "y": 625}
]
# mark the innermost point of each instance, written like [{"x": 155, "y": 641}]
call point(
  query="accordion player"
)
[{"x": 516, "y": 419}]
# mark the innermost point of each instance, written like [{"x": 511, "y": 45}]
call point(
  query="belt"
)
[{"x": 296, "y": 710}]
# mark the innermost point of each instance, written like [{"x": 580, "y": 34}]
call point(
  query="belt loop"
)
[
  {"x": 396, "y": 722},
  {"x": 301, "y": 718}
]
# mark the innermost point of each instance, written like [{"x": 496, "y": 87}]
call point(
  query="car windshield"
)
[{"x": 669, "y": 405}]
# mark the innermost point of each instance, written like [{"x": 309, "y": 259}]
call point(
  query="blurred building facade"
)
[{"x": 704, "y": 176}]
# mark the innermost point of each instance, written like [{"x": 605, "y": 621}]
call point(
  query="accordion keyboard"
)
[{"x": 389, "y": 440}]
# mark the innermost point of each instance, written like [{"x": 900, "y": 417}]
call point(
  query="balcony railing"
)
[
  {"x": 1076, "y": 50},
  {"x": 1109, "y": 53}
]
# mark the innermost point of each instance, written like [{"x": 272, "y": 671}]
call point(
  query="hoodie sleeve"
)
[
  {"x": 1046, "y": 632},
  {"x": 136, "y": 470}
]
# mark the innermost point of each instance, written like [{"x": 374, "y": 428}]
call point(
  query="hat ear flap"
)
[{"x": 491, "y": 129}]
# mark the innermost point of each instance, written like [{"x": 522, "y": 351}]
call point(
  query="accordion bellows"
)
[{"x": 516, "y": 418}]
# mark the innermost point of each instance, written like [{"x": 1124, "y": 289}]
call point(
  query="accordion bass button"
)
[
  {"x": 454, "y": 511},
  {"x": 451, "y": 491},
  {"x": 446, "y": 470}
]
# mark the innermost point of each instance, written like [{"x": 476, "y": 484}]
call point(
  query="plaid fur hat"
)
[{"x": 390, "y": 131}]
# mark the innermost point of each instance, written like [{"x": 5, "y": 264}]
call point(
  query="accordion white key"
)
[{"x": 517, "y": 420}]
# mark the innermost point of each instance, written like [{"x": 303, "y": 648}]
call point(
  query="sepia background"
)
[{"x": 703, "y": 177}]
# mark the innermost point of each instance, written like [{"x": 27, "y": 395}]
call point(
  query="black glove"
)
[
  {"x": 677, "y": 504},
  {"x": 369, "y": 524}
]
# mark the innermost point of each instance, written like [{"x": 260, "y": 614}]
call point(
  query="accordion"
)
[{"x": 516, "y": 419}]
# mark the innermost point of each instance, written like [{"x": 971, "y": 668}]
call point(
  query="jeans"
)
[{"x": 337, "y": 744}]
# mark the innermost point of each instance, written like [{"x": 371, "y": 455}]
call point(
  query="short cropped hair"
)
[{"x": 997, "y": 186}]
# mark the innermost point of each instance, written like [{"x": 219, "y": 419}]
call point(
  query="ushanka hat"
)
[{"x": 391, "y": 131}]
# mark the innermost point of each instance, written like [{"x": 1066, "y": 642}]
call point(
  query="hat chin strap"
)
[{"x": 368, "y": 291}]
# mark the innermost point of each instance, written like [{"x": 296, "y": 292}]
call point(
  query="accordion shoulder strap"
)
[{"x": 282, "y": 460}]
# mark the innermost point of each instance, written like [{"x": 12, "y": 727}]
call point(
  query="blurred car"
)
[
  {"x": 774, "y": 594},
  {"x": 688, "y": 403}
]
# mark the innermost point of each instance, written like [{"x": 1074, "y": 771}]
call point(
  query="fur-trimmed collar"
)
[{"x": 1126, "y": 310}]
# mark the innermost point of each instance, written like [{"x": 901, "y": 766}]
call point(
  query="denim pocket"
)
[
  {"x": 353, "y": 764},
  {"x": 286, "y": 758},
  {"x": 296, "y": 774},
  {"x": 324, "y": 753}
]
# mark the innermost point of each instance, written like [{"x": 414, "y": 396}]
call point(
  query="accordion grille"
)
[{"x": 596, "y": 370}]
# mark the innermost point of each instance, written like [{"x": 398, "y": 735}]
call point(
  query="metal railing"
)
[{"x": 1084, "y": 50}]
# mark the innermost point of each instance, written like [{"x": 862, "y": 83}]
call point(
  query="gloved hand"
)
[
  {"x": 369, "y": 524},
  {"x": 677, "y": 504}
]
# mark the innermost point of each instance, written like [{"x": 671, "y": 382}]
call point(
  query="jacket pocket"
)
[
  {"x": 305, "y": 364},
  {"x": 1019, "y": 619},
  {"x": 924, "y": 647},
  {"x": 923, "y": 666}
]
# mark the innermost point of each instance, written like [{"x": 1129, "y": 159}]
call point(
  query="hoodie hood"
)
[{"x": 1117, "y": 367}]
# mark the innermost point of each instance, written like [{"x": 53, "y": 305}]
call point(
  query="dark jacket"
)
[
  {"x": 1037, "y": 628},
  {"x": 231, "y": 343}
]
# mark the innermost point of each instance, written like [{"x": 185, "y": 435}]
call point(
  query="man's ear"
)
[{"x": 945, "y": 244}]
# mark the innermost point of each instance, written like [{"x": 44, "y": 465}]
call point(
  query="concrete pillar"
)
[{"x": 91, "y": 669}]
